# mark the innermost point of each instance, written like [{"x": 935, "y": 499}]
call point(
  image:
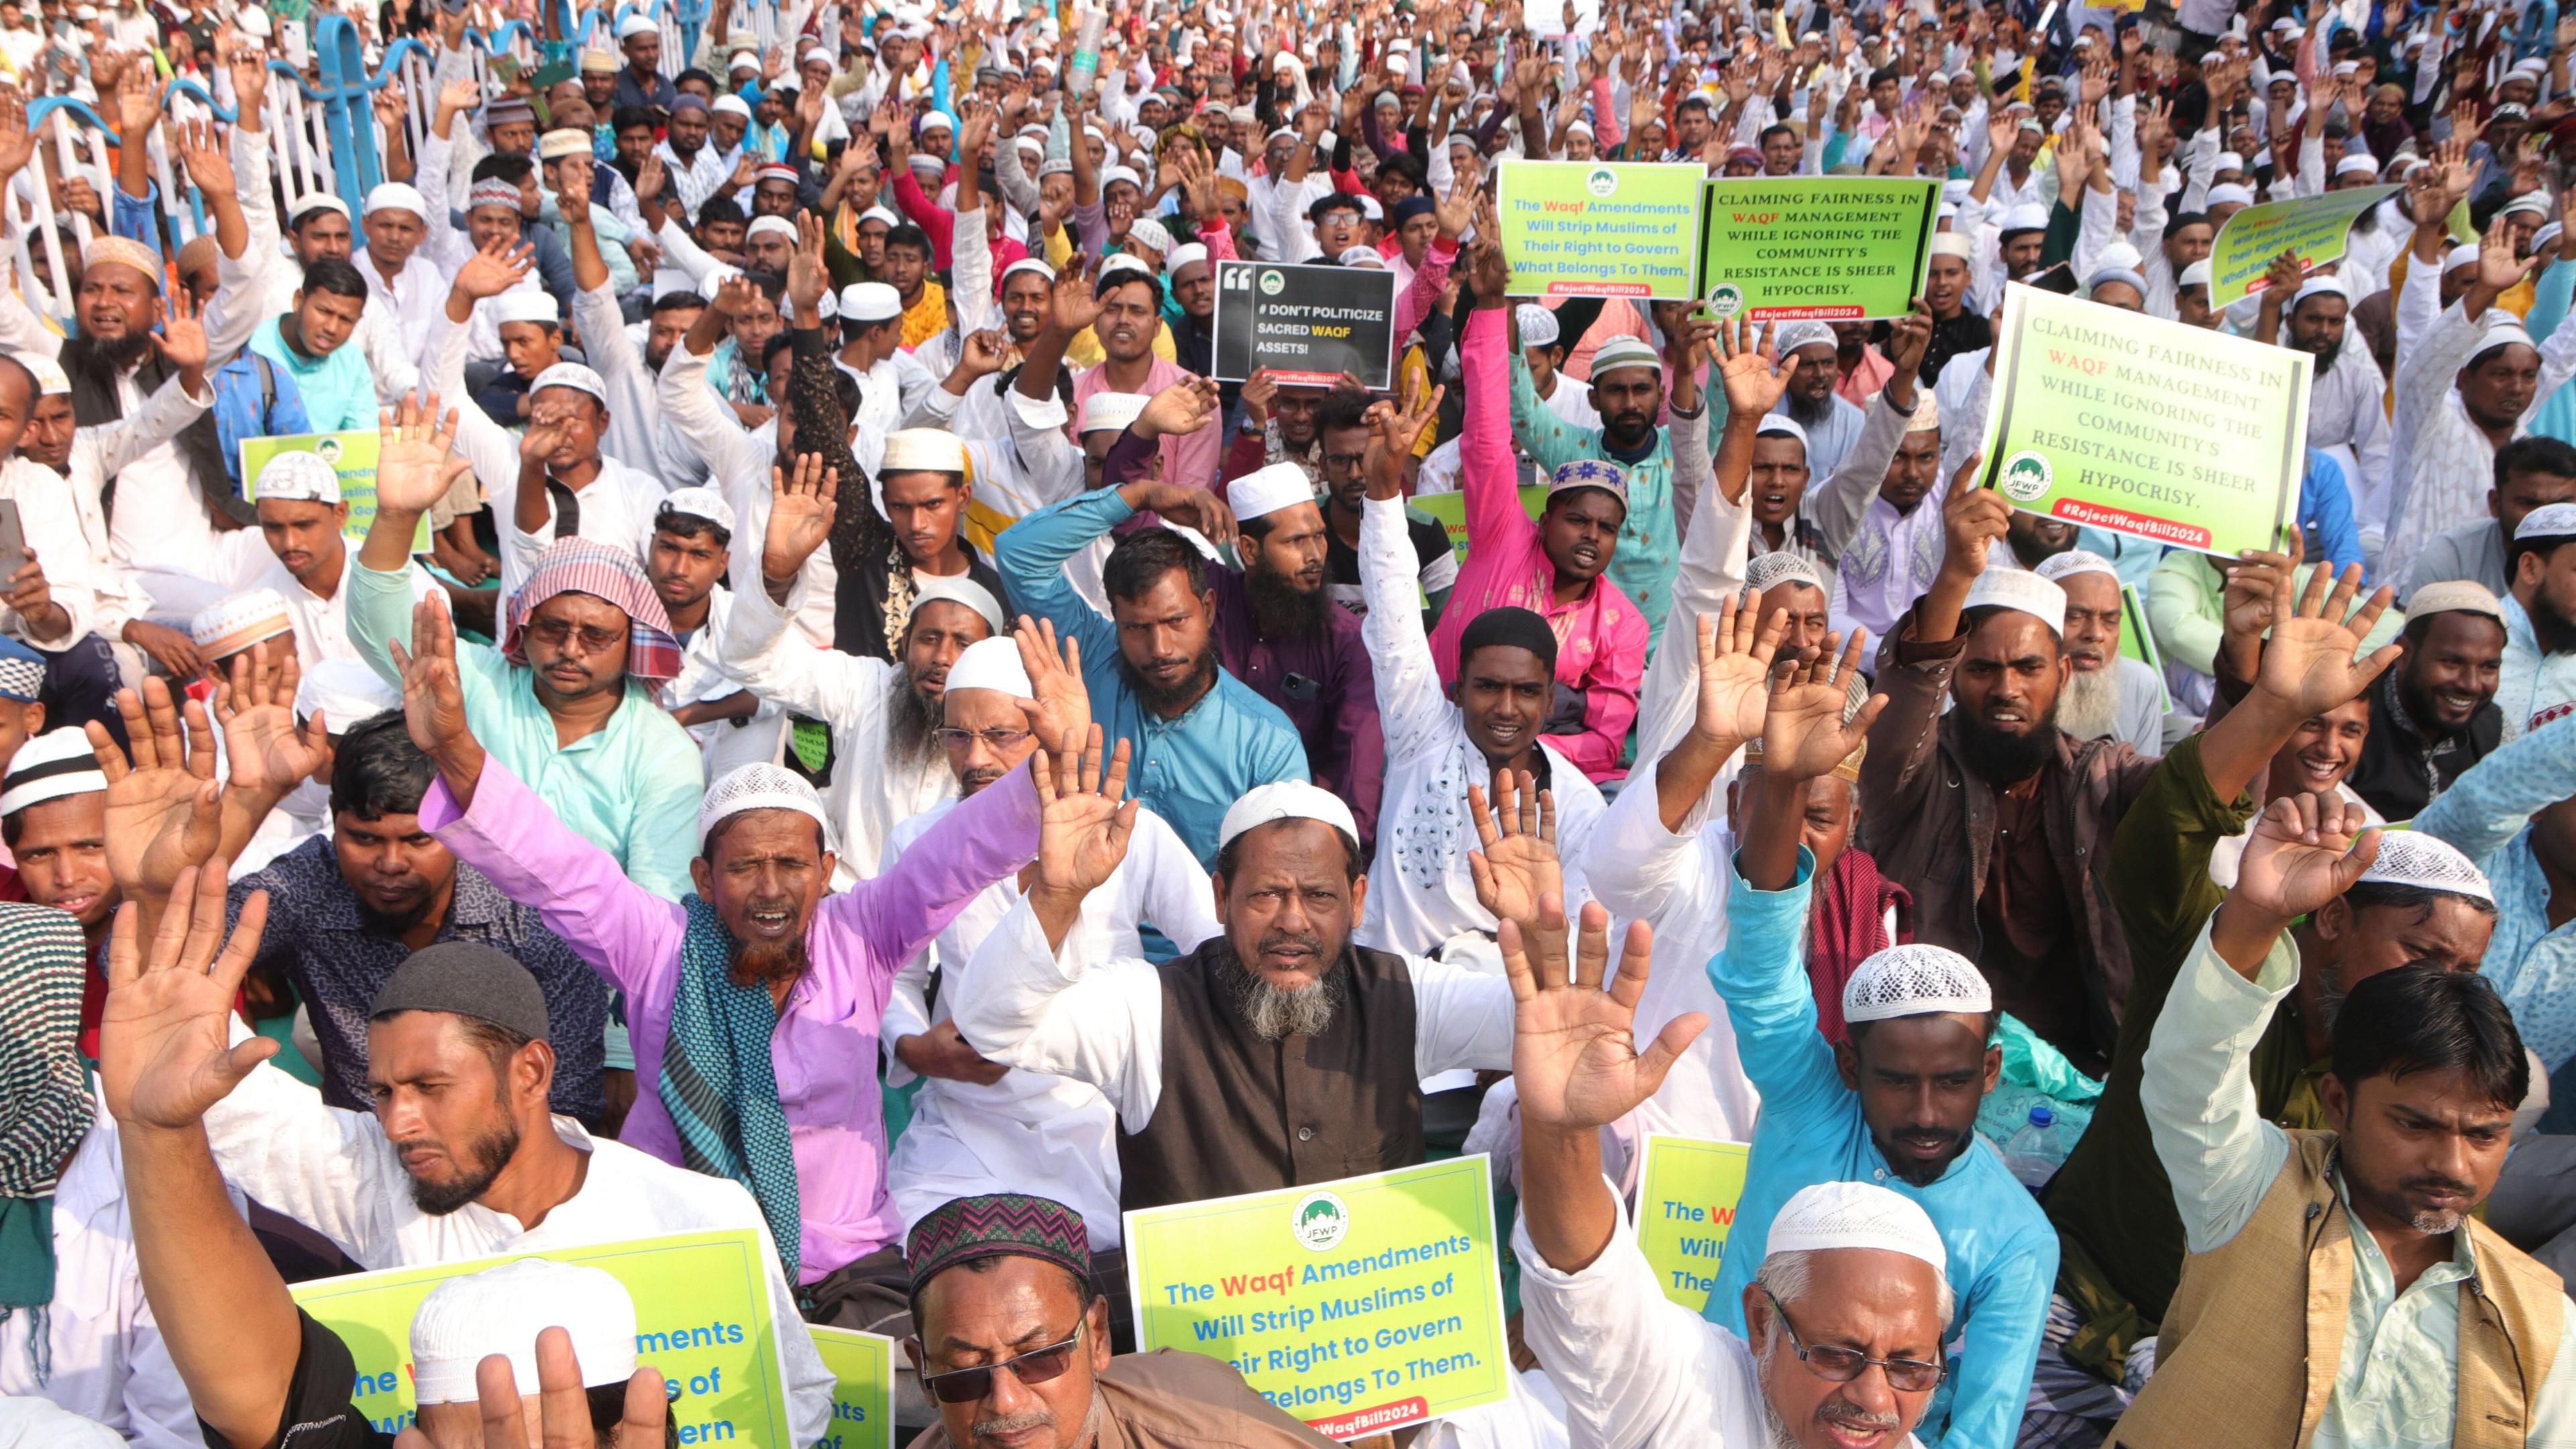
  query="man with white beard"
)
[
  {"x": 2108, "y": 695},
  {"x": 1831, "y": 421},
  {"x": 979, "y": 1127}
]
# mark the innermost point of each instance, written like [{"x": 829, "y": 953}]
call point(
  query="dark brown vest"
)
[{"x": 1238, "y": 1114}]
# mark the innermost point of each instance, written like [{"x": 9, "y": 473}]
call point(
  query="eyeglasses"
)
[
  {"x": 1842, "y": 1365},
  {"x": 555, "y": 633},
  {"x": 999, "y": 739},
  {"x": 970, "y": 1385},
  {"x": 1344, "y": 460}
]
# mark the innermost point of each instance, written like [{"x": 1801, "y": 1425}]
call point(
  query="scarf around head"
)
[
  {"x": 45, "y": 1105},
  {"x": 581, "y": 566},
  {"x": 1848, "y": 925},
  {"x": 719, "y": 1084}
]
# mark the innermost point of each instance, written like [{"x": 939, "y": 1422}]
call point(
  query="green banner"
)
[
  {"x": 701, "y": 1317},
  {"x": 862, "y": 1368},
  {"x": 1839, "y": 248},
  {"x": 2317, "y": 228},
  {"x": 2145, "y": 427},
  {"x": 352, "y": 455},
  {"x": 1686, "y": 1195},
  {"x": 1601, "y": 228},
  {"x": 1358, "y": 1306},
  {"x": 1449, "y": 510}
]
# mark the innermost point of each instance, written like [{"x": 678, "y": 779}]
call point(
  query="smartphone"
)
[{"x": 13, "y": 541}]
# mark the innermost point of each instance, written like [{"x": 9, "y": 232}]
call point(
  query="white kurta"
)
[
  {"x": 336, "y": 1173},
  {"x": 2445, "y": 462},
  {"x": 968, "y": 1139}
]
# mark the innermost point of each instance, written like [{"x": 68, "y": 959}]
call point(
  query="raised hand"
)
[
  {"x": 1195, "y": 508},
  {"x": 1752, "y": 379},
  {"x": 1804, "y": 734},
  {"x": 983, "y": 352},
  {"x": 1908, "y": 338},
  {"x": 17, "y": 143},
  {"x": 433, "y": 694},
  {"x": 800, "y": 515},
  {"x": 1073, "y": 308},
  {"x": 1574, "y": 1050},
  {"x": 2304, "y": 851},
  {"x": 545, "y": 435},
  {"x": 138, "y": 101},
  {"x": 1735, "y": 653},
  {"x": 161, "y": 816},
  {"x": 2309, "y": 666},
  {"x": 1179, "y": 410},
  {"x": 734, "y": 295},
  {"x": 1083, "y": 828},
  {"x": 416, "y": 457},
  {"x": 1517, "y": 873},
  {"x": 165, "y": 1054},
  {"x": 1060, "y": 704},
  {"x": 268, "y": 752},
  {"x": 2498, "y": 268},
  {"x": 806, "y": 278},
  {"x": 495, "y": 269},
  {"x": 1971, "y": 518},
  {"x": 202, "y": 155}
]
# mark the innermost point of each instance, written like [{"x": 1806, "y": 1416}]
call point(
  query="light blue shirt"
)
[
  {"x": 2487, "y": 814},
  {"x": 339, "y": 389},
  {"x": 631, "y": 787},
  {"x": 1188, "y": 770},
  {"x": 2003, "y": 1253},
  {"x": 1829, "y": 440}
]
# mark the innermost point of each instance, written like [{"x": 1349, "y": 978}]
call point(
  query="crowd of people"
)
[{"x": 828, "y": 719}]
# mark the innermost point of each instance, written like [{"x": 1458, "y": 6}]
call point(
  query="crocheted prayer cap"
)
[
  {"x": 1765, "y": 571},
  {"x": 2412, "y": 858},
  {"x": 964, "y": 1229},
  {"x": 760, "y": 787},
  {"x": 1915, "y": 980}
]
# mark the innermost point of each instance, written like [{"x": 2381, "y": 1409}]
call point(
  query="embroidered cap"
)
[
  {"x": 760, "y": 787},
  {"x": 1538, "y": 325},
  {"x": 229, "y": 626},
  {"x": 2074, "y": 561},
  {"x": 2454, "y": 596},
  {"x": 923, "y": 450},
  {"x": 1002, "y": 1224},
  {"x": 125, "y": 252},
  {"x": 959, "y": 589},
  {"x": 2413, "y": 858},
  {"x": 1824, "y": 1216},
  {"x": 1767, "y": 571},
  {"x": 700, "y": 502},
  {"x": 1590, "y": 472},
  {"x": 1111, "y": 412},
  {"x": 297, "y": 478},
  {"x": 2000, "y": 587}
]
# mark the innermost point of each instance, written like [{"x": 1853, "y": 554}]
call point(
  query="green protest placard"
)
[
  {"x": 1450, "y": 511},
  {"x": 1358, "y": 1306},
  {"x": 701, "y": 1317},
  {"x": 1686, "y": 1195},
  {"x": 2317, "y": 228},
  {"x": 862, "y": 1368},
  {"x": 1845, "y": 248},
  {"x": 2138, "y": 642},
  {"x": 352, "y": 455},
  {"x": 1601, "y": 228},
  {"x": 2143, "y": 426}
]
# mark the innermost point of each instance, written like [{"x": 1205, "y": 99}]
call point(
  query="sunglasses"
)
[
  {"x": 1842, "y": 1365},
  {"x": 972, "y": 1385}
]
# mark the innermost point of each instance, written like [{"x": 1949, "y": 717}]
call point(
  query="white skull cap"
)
[
  {"x": 343, "y": 692},
  {"x": 991, "y": 664},
  {"x": 699, "y": 502},
  {"x": 502, "y": 1310},
  {"x": 959, "y": 589},
  {"x": 1824, "y": 1216},
  {"x": 2412, "y": 858},
  {"x": 2550, "y": 520},
  {"x": 1794, "y": 335},
  {"x": 1286, "y": 800},
  {"x": 1766, "y": 571},
  {"x": 1915, "y": 980},
  {"x": 2195, "y": 275},
  {"x": 760, "y": 787},
  {"x": 1538, "y": 325},
  {"x": 1111, "y": 412},
  {"x": 1268, "y": 490},
  {"x": 2074, "y": 561},
  {"x": 1782, "y": 425},
  {"x": 2009, "y": 588}
]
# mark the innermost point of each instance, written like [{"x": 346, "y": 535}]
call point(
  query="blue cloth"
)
[
  {"x": 2003, "y": 1253},
  {"x": 2555, "y": 415},
  {"x": 339, "y": 389},
  {"x": 1187, "y": 770},
  {"x": 2325, "y": 510},
  {"x": 137, "y": 218},
  {"x": 719, "y": 1083},
  {"x": 254, "y": 398},
  {"x": 2487, "y": 814}
]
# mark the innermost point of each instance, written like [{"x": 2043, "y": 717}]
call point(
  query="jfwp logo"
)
[
  {"x": 1602, "y": 181},
  {"x": 329, "y": 448},
  {"x": 1320, "y": 1221},
  {"x": 1725, "y": 299},
  {"x": 1271, "y": 282},
  {"x": 2026, "y": 476}
]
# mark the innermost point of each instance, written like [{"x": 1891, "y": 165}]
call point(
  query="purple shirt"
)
[{"x": 825, "y": 1050}]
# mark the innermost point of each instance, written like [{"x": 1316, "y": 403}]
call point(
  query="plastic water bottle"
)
[
  {"x": 2033, "y": 1152},
  {"x": 1086, "y": 51}
]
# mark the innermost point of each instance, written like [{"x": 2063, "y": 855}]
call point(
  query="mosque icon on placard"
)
[
  {"x": 1320, "y": 1221},
  {"x": 2026, "y": 476},
  {"x": 1725, "y": 299}
]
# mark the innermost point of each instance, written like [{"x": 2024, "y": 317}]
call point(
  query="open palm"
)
[
  {"x": 416, "y": 458},
  {"x": 1735, "y": 670},
  {"x": 1574, "y": 1048},
  {"x": 265, "y": 748},
  {"x": 1517, "y": 872},
  {"x": 165, "y": 1053},
  {"x": 161, "y": 805},
  {"x": 2310, "y": 664},
  {"x": 1804, "y": 734},
  {"x": 1083, "y": 828},
  {"x": 1059, "y": 707}
]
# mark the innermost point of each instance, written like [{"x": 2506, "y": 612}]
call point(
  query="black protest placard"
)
[{"x": 1306, "y": 324}]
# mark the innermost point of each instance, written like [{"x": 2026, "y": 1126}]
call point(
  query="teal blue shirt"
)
[
  {"x": 631, "y": 787},
  {"x": 1188, "y": 770},
  {"x": 2003, "y": 1253},
  {"x": 339, "y": 389}
]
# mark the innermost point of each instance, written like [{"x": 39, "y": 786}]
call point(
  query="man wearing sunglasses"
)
[
  {"x": 1012, "y": 1343},
  {"x": 568, "y": 700},
  {"x": 1841, "y": 1330}
]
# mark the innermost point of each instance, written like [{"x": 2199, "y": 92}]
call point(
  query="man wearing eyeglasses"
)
[
  {"x": 1895, "y": 1105},
  {"x": 1012, "y": 1342},
  {"x": 568, "y": 700},
  {"x": 1853, "y": 1280},
  {"x": 883, "y": 718}
]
